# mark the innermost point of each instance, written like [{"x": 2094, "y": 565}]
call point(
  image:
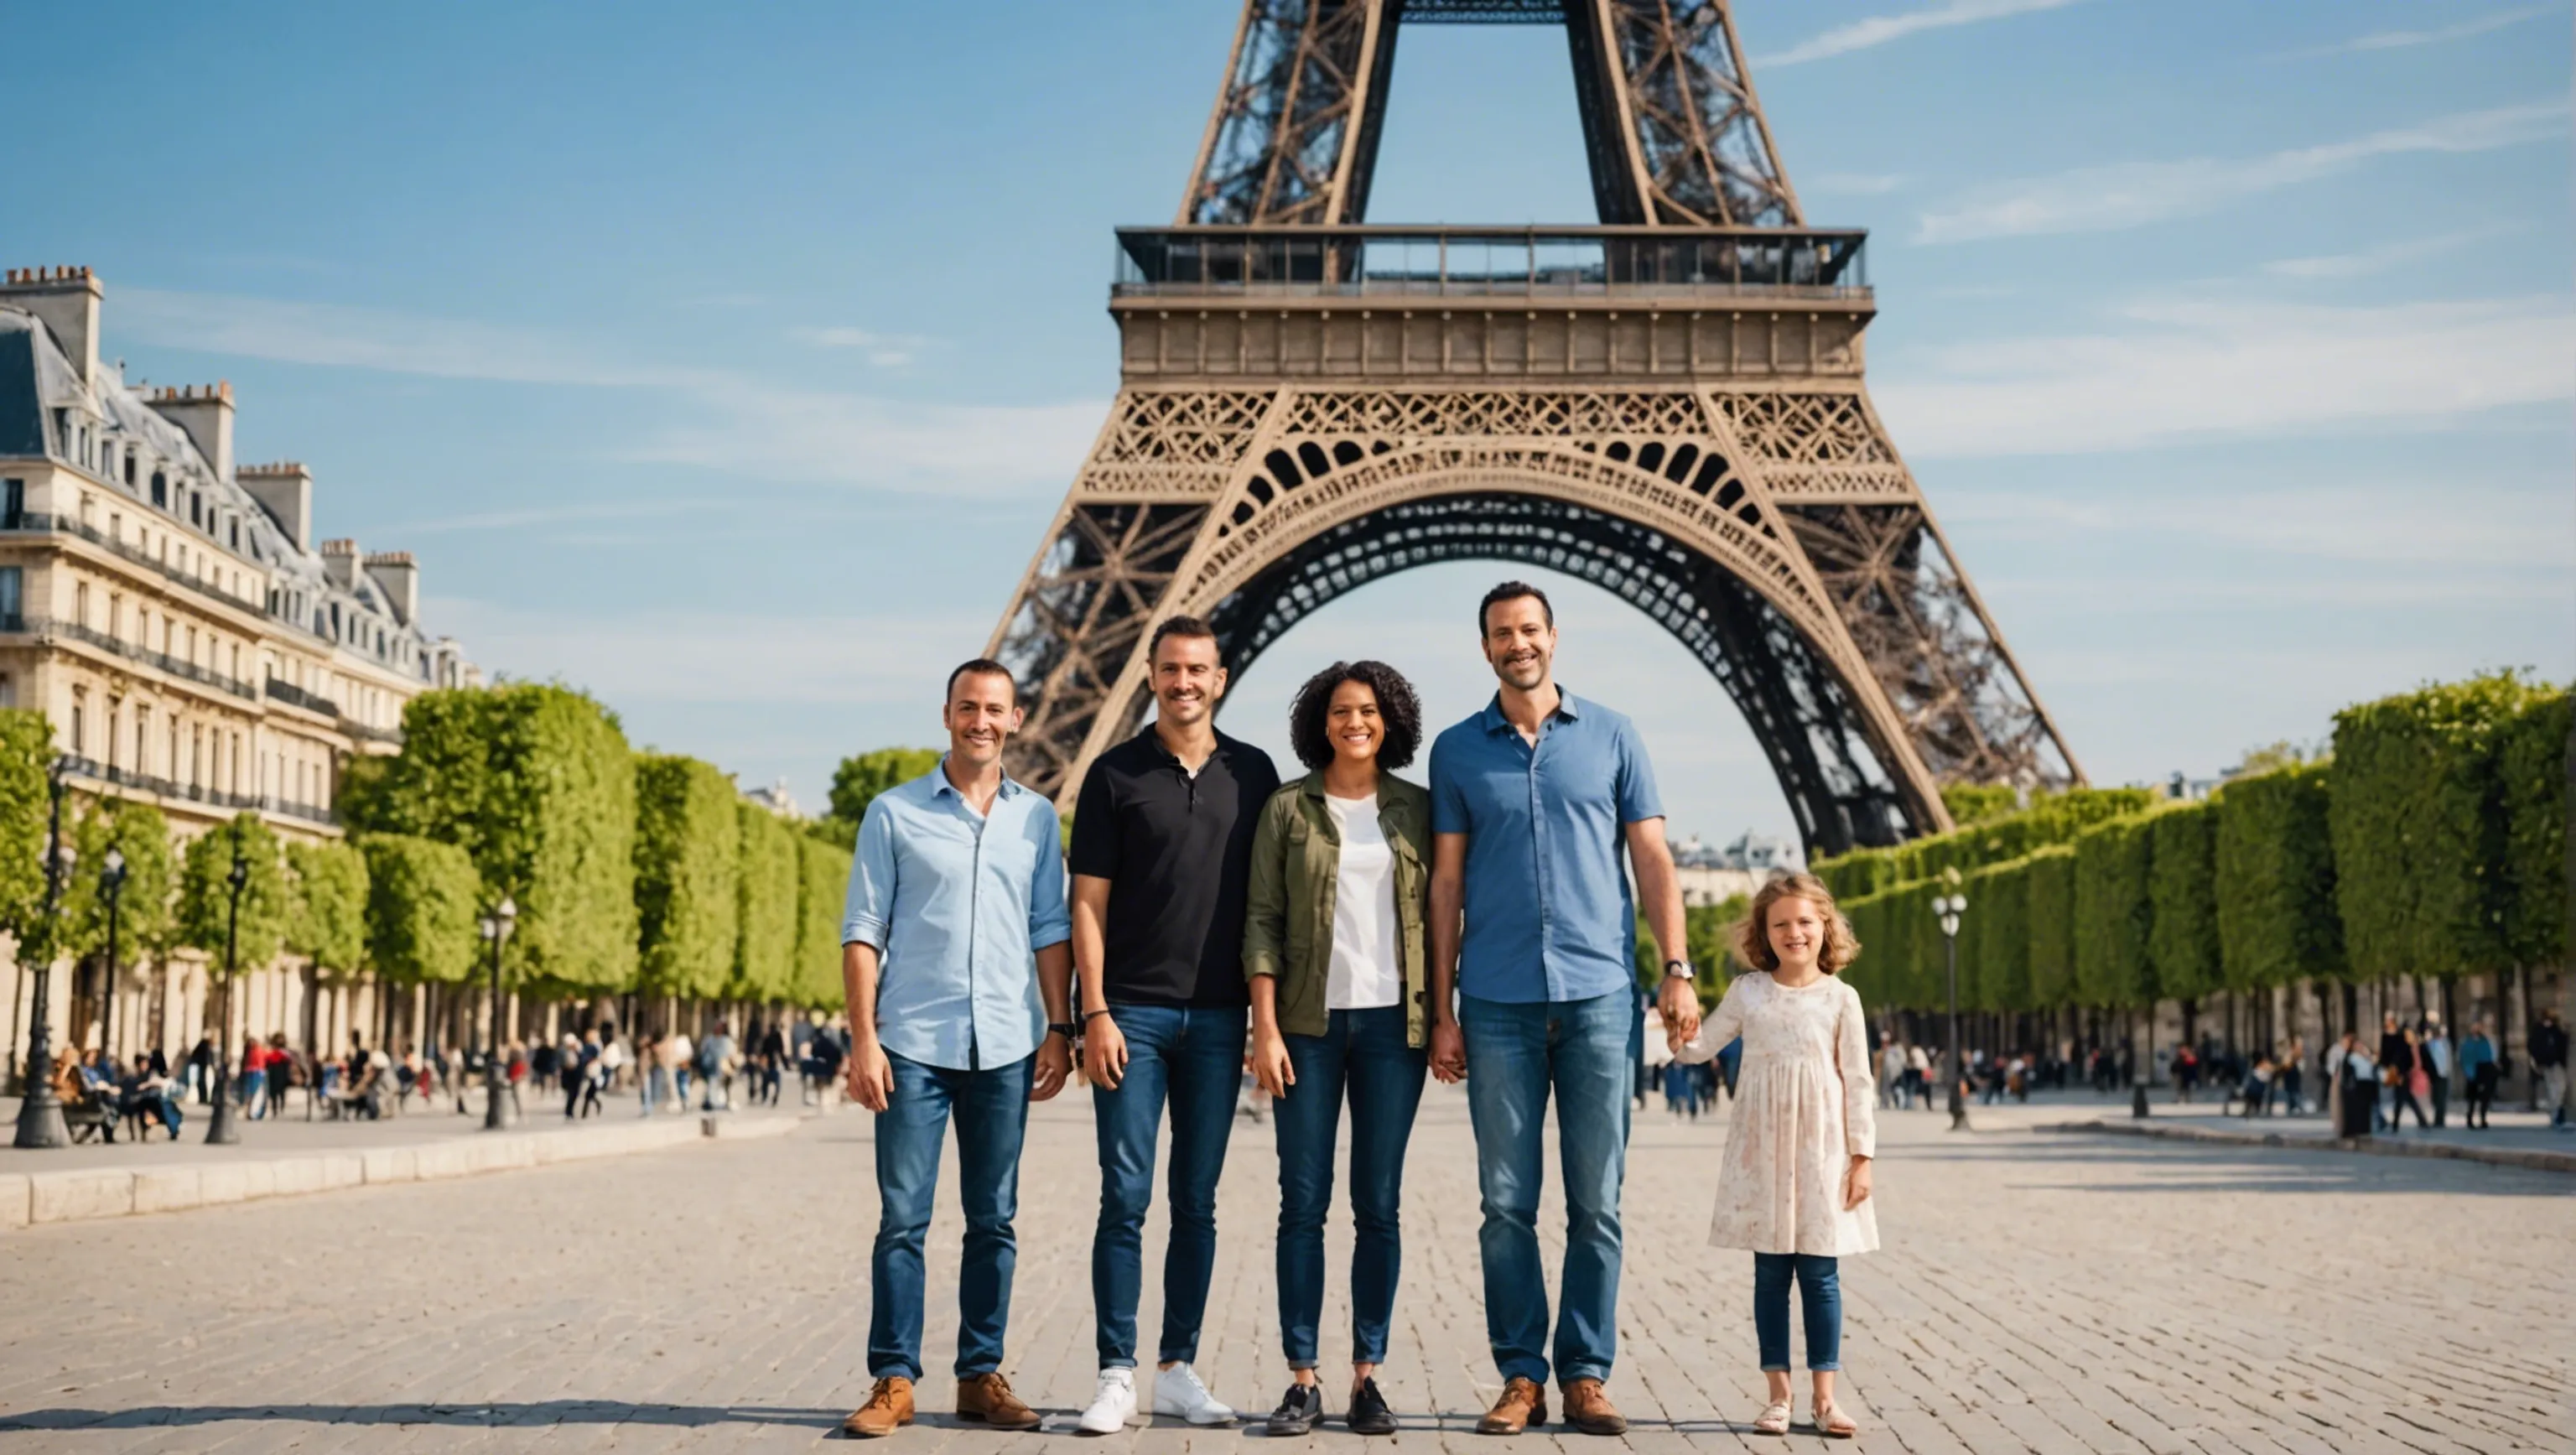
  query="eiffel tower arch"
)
[{"x": 1668, "y": 403}]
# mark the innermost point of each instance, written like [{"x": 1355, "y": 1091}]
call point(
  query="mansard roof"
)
[{"x": 39, "y": 383}]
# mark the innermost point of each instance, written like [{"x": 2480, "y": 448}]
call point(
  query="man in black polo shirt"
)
[{"x": 1162, "y": 855}]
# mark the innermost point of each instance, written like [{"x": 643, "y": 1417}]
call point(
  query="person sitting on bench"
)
[{"x": 143, "y": 1092}]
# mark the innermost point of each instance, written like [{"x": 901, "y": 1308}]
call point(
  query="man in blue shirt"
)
[
  {"x": 1531, "y": 801},
  {"x": 954, "y": 955}
]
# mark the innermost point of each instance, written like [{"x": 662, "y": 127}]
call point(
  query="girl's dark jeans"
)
[{"x": 1820, "y": 1294}]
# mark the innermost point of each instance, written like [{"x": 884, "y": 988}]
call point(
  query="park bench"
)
[{"x": 90, "y": 1117}]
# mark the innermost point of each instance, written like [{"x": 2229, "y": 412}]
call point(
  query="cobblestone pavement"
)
[{"x": 2036, "y": 1293}]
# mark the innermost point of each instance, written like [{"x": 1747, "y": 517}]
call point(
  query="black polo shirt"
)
[{"x": 1177, "y": 851}]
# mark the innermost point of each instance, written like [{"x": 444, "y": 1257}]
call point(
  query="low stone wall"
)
[{"x": 29, "y": 1198}]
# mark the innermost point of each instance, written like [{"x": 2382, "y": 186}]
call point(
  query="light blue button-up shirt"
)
[
  {"x": 958, "y": 904},
  {"x": 1548, "y": 915}
]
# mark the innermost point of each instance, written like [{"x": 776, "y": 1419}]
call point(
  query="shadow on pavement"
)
[
  {"x": 2248, "y": 1169},
  {"x": 472, "y": 1416}
]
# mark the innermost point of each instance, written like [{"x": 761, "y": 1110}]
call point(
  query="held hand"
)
[
  {"x": 1104, "y": 1051},
  {"x": 1055, "y": 1061},
  {"x": 1270, "y": 1065},
  {"x": 1448, "y": 1051},
  {"x": 1678, "y": 1003},
  {"x": 871, "y": 1075},
  {"x": 1856, "y": 1184}
]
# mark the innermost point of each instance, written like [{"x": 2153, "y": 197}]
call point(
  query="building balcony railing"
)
[
  {"x": 40, "y": 521},
  {"x": 281, "y": 690},
  {"x": 194, "y": 792},
  {"x": 1646, "y": 263},
  {"x": 52, "y": 627},
  {"x": 356, "y": 729}
]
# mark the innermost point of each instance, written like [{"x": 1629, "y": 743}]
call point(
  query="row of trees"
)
[
  {"x": 2430, "y": 843},
  {"x": 631, "y": 872}
]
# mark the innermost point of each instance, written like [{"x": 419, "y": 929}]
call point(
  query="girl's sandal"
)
[
  {"x": 1833, "y": 1424},
  {"x": 1774, "y": 1419}
]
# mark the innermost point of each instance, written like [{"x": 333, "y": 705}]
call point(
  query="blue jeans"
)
[
  {"x": 1820, "y": 1298},
  {"x": 1192, "y": 1058},
  {"x": 992, "y": 1111},
  {"x": 1363, "y": 1052},
  {"x": 254, "y": 1093},
  {"x": 1517, "y": 1053}
]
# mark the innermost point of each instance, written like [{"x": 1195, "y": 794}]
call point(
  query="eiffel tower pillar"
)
[{"x": 1672, "y": 409}]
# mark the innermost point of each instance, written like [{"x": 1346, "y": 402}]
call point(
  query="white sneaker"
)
[
  {"x": 1113, "y": 1403},
  {"x": 1178, "y": 1391}
]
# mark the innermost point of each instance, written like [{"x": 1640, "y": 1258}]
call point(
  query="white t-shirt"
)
[{"x": 1365, "y": 972}]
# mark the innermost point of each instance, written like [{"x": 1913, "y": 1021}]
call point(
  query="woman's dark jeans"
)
[
  {"x": 1363, "y": 1053},
  {"x": 1820, "y": 1295}
]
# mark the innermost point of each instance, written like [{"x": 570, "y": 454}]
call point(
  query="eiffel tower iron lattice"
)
[{"x": 1668, "y": 403}]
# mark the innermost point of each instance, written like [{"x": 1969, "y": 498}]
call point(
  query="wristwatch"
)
[
  {"x": 1678, "y": 967},
  {"x": 1067, "y": 1029}
]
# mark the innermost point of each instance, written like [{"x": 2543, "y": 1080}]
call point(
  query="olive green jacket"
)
[{"x": 1288, "y": 919}]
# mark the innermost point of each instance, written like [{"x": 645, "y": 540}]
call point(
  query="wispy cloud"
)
[
  {"x": 1878, "y": 30},
  {"x": 2391, "y": 40},
  {"x": 2378, "y": 259},
  {"x": 718, "y": 419},
  {"x": 2213, "y": 368},
  {"x": 1852, "y": 184},
  {"x": 2101, "y": 199},
  {"x": 886, "y": 350}
]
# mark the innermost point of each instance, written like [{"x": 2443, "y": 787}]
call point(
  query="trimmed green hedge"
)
[
  {"x": 2049, "y": 904},
  {"x": 2419, "y": 832},
  {"x": 823, "y": 886},
  {"x": 2182, "y": 935},
  {"x": 2274, "y": 866},
  {"x": 2114, "y": 910},
  {"x": 769, "y": 887},
  {"x": 688, "y": 850},
  {"x": 2532, "y": 764},
  {"x": 423, "y": 903},
  {"x": 1994, "y": 937},
  {"x": 2051, "y": 819},
  {"x": 26, "y": 755}
]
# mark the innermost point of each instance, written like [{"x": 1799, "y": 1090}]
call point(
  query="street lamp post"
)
[
  {"x": 111, "y": 882},
  {"x": 499, "y": 1113},
  {"x": 1949, "y": 907},
  {"x": 40, "y": 1112},
  {"x": 220, "y": 1130}
]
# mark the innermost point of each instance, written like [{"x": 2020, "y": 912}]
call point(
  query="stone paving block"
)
[
  {"x": 390, "y": 1164},
  {"x": 58, "y": 1197},
  {"x": 14, "y": 1200}
]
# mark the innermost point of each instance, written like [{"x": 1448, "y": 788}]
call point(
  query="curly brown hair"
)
[
  {"x": 1753, "y": 946},
  {"x": 1310, "y": 711}
]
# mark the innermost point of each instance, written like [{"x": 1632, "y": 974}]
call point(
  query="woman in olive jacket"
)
[{"x": 1333, "y": 947}]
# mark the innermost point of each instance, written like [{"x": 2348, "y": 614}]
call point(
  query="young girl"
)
[{"x": 1794, "y": 1183}]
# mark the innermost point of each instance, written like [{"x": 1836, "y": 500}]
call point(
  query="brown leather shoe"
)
[
  {"x": 1588, "y": 1408},
  {"x": 1523, "y": 1404},
  {"x": 889, "y": 1408},
  {"x": 988, "y": 1397}
]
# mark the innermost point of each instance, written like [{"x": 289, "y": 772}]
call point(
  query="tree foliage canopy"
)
[
  {"x": 2275, "y": 879},
  {"x": 688, "y": 851},
  {"x": 26, "y": 762},
  {"x": 327, "y": 906},
  {"x": 822, "y": 889},
  {"x": 858, "y": 780},
  {"x": 768, "y": 889},
  {"x": 2182, "y": 936},
  {"x": 205, "y": 892},
  {"x": 144, "y": 919}
]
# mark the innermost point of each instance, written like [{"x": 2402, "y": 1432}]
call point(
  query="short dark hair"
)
[
  {"x": 1513, "y": 591},
  {"x": 979, "y": 667},
  {"x": 1178, "y": 626},
  {"x": 1310, "y": 712}
]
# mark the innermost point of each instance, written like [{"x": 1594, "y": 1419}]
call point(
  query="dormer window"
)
[
  {"x": 160, "y": 490},
  {"x": 129, "y": 467}
]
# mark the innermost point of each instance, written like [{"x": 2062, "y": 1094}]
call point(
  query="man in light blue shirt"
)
[
  {"x": 954, "y": 955},
  {"x": 1532, "y": 802}
]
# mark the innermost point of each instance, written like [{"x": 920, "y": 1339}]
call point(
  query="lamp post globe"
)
[
  {"x": 500, "y": 1109},
  {"x": 220, "y": 1130},
  {"x": 40, "y": 1112}
]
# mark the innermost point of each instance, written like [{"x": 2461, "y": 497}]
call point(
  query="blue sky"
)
[{"x": 730, "y": 363}]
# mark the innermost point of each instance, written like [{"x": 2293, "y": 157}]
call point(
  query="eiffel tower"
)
[{"x": 1668, "y": 403}]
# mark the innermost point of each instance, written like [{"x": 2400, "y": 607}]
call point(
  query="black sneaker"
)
[
  {"x": 1299, "y": 1410},
  {"x": 1369, "y": 1414}
]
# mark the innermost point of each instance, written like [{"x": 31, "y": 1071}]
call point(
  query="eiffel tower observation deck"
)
[{"x": 1668, "y": 401}]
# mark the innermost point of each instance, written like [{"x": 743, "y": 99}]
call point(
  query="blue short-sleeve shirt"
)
[
  {"x": 1549, "y": 914},
  {"x": 958, "y": 904}
]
